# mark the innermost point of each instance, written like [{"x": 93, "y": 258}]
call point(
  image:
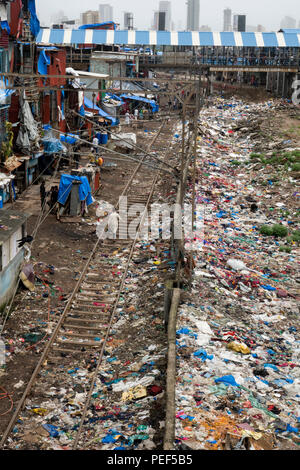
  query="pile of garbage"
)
[{"x": 237, "y": 332}]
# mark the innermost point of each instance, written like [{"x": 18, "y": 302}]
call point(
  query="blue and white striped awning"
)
[{"x": 166, "y": 38}]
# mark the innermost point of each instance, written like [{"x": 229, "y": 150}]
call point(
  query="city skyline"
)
[{"x": 257, "y": 13}]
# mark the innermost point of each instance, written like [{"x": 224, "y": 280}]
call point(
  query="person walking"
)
[{"x": 127, "y": 118}]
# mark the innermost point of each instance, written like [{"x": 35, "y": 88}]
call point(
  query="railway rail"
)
[{"x": 83, "y": 330}]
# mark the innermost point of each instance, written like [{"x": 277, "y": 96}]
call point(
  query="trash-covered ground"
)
[
  {"x": 237, "y": 331},
  {"x": 128, "y": 403},
  {"x": 127, "y": 409}
]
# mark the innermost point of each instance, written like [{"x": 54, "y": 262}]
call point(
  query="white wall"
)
[{"x": 10, "y": 248}]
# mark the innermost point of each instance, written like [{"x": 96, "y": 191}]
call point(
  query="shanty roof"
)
[
  {"x": 90, "y": 105},
  {"x": 98, "y": 25},
  {"x": 152, "y": 103},
  {"x": 10, "y": 221},
  {"x": 82, "y": 73},
  {"x": 167, "y": 38}
]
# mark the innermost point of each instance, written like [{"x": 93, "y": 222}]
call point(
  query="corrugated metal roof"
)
[{"x": 166, "y": 38}]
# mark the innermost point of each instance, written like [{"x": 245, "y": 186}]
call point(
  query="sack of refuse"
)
[{"x": 237, "y": 265}]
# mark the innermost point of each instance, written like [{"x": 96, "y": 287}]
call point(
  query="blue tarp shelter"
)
[
  {"x": 153, "y": 104},
  {"x": 90, "y": 105},
  {"x": 65, "y": 187}
]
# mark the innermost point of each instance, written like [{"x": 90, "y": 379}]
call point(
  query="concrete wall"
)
[{"x": 8, "y": 279}]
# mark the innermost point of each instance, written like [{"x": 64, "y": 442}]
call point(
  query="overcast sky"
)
[{"x": 269, "y": 13}]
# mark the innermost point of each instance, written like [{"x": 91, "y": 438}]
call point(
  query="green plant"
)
[
  {"x": 266, "y": 230},
  {"x": 296, "y": 153},
  {"x": 296, "y": 167},
  {"x": 296, "y": 236},
  {"x": 286, "y": 249},
  {"x": 276, "y": 230},
  {"x": 279, "y": 230}
]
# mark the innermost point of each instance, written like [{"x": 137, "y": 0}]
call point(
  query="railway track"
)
[{"x": 81, "y": 335}]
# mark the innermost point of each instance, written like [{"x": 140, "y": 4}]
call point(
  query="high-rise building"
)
[
  {"x": 106, "y": 12},
  {"x": 128, "y": 20},
  {"x": 239, "y": 23},
  {"x": 193, "y": 15},
  {"x": 89, "y": 17},
  {"x": 227, "y": 26},
  {"x": 166, "y": 7},
  {"x": 161, "y": 21},
  {"x": 155, "y": 21},
  {"x": 288, "y": 23}
]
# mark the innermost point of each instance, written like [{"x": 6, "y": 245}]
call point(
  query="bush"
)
[
  {"x": 296, "y": 167},
  {"x": 286, "y": 249},
  {"x": 266, "y": 230},
  {"x": 276, "y": 230},
  {"x": 296, "y": 153},
  {"x": 296, "y": 236},
  {"x": 279, "y": 230}
]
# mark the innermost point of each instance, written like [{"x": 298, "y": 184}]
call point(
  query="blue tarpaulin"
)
[
  {"x": 5, "y": 25},
  {"x": 65, "y": 186},
  {"x": 52, "y": 145},
  {"x": 153, "y": 104},
  {"x": 69, "y": 138},
  {"x": 44, "y": 59},
  {"x": 97, "y": 25},
  {"x": 34, "y": 22},
  {"x": 43, "y": 62},
  {"x": 89, "y": 104}
]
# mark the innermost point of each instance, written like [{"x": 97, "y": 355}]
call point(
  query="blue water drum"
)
[{"x": 104, "y": 138}]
